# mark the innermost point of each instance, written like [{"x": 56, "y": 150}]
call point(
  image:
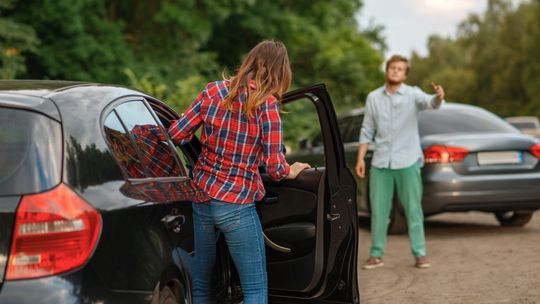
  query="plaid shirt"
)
[{"x": 232, "y": 145}]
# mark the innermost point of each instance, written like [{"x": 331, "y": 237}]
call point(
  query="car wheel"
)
[
  {"x": 167, "y": 296},
  {"x": 398, "y": 222},
  {"x": 514, "y": 218}
]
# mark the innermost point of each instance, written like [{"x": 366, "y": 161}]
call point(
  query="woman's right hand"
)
[{"x": 296, "y": 168}]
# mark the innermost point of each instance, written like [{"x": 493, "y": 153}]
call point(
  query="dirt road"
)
[{"x": 474, "y": 260}]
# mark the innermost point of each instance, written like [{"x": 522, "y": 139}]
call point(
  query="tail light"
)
[
  {"x": 535, "y": 150},
  {"x": 444, "y": 154},
  {"x": 55, "y": 231}
]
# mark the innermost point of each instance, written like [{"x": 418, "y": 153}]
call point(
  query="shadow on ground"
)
[{"x": 450, "y": 225}]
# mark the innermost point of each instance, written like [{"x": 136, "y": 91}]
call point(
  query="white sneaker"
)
[{"x": 373, "y": 262}]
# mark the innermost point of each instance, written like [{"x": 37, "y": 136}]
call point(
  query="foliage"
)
[
  {"x": 178, "y": 96},
  {"x": 77, "y": 42},
  {"x": 492, "y": 62},
  {"x": 171, "y": 49},
  {"x": 15, "y": 38}
]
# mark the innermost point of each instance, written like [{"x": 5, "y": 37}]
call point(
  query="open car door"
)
[{"x": 310, "y": 223}]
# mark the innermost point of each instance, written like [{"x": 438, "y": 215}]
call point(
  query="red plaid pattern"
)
[
  {"x": 164, "y": 191},
  {"x": 232, "y": 145},
  {"x": 157, "y": 156},
  {"x": 125, "y": 153}
]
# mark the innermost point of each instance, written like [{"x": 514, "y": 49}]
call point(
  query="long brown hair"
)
[{"x": 267, "y": 65}]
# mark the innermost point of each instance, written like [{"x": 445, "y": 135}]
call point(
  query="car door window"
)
[
  {"x": 355, "y": 124},
  {"x": 349, "y": 127},
  {"x": 165, "y": 117},
  {"x": 344, "y": 127},
  {"x": 296, "y": 230},
  {"x": 298, "y": 127},
  {"x": 149, "y": 144},
  {"x": 122, "y": 147}
]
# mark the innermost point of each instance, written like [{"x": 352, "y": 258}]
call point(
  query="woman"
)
[{"x": 241, "y": 127}]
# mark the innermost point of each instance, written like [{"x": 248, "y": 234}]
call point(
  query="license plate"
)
[{"x": 499, "y": 158}]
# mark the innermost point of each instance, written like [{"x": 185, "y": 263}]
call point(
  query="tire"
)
[
  {"x": 514, "y": 218},
  {"x": 167, "y": 296},
  {"x": 398, "y": 222}
]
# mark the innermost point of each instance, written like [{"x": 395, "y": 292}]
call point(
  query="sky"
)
[{"x": 409, "y": 23}]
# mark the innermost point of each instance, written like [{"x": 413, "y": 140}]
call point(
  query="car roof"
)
[
  {"x": 29, "y": 95},
  {"x": 458, "y": 106},
  {"x": 353, "y": 112},
  {"x": 447, "y": 105},
  {"x": 51, "y": 96},
  {"x": 37, "y": 88}
]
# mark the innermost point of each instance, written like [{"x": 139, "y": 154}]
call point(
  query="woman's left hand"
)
[{"x": 296, "y": 168}]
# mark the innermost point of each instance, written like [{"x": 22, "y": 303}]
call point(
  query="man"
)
[{"x": 391, "y": 122}]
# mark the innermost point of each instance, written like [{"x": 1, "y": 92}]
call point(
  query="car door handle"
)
[
  {"x": 333, "y": 216},
  {"x": 275, "y": 246},
  {"x": 174, "y": 222}
]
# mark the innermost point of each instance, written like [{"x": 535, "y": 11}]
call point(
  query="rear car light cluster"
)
[
  {"x": 55, "y": 231},
  {"x": 444, "y": 154},
  {"x": 535, "y": 150}
]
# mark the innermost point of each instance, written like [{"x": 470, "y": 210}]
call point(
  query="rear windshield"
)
[
  {"x": 30, "y": 152},
  {"x": 524, "y": 125},
  {"x": 461, "y": 120}
]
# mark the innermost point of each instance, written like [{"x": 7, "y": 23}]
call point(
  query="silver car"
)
[
  {"x": 474, "y": 160},
  {"x": 526, "y": 124}
]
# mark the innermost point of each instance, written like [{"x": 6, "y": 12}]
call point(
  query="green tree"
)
[
  {"x": 445, "y": 65},
  {"x": 172, "y": 48},
  {"x": 530, "y": 74},
  {"x": 15, "y": 39},
  {"x": 193, "y": 41},
  {"x": 77, "y": 41},
  {"x": 199, "y": 38},
  {"x": 492, "y": 62}
]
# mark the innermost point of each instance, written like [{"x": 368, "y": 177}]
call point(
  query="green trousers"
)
[{"x": 408, "y": 183}]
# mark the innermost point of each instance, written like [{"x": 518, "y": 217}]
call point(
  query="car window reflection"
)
[
  {"x": 157, "y": 157},
  {"x": 165, "y": 191},
  {"x": 124, "y": 151}
]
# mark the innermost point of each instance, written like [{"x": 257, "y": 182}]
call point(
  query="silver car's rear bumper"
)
[{"x": 445, "y": 190}]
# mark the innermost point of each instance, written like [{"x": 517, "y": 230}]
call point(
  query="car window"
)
[
  {"x": 122, "y": 147},
  {"x": 317, "y": 140},
  {"x": 344, "y": 127},
  {"x": 30, "y": 152},
  {"x": 300, "y": 122},
  {"x": 166, "y": 117},
  {"x": 461, "y": 120},
  {"x": 144, "y": 141},
  {"x": 524, "y": 125},
  {"x": 350, "y": 128}
]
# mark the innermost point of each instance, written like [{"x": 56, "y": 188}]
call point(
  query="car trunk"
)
[
  {"x": 30, "y": 162},
  {"x": 489, "y": 153}
]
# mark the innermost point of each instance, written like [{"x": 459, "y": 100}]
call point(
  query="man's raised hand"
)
[{"x": 439, "y": 91}]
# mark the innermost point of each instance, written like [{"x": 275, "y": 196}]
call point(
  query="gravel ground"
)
[{"x": 473, "y": 260}]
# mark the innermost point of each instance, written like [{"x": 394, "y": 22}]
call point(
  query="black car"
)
[
  {"x": 474, "y": 161},
  {"x": 85, "y": 217}
]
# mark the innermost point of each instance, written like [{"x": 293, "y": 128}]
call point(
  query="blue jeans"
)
[{"x": 243, "y": 235}]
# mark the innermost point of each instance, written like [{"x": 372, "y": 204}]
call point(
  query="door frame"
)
[{"x": 339, "y": 282}]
